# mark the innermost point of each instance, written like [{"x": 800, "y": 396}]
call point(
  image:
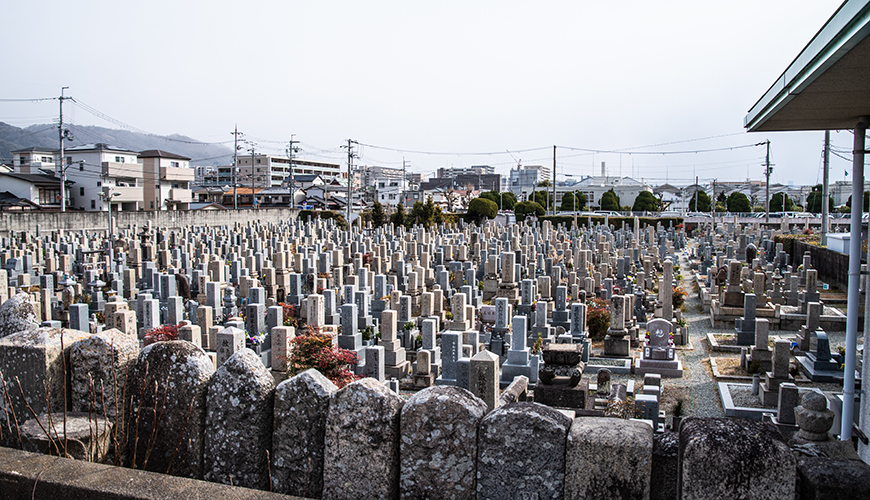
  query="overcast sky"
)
[{"x": 442, "y": 77}]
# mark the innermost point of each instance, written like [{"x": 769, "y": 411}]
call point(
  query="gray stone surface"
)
[
  {"x": 439, "y": 443},
  {"x": 299, "y": 424},
  {"x": 521, "y": 452},
  {"x": 833, "y": 478},
  {"x": 238, "y": 422},
  {"x": 34, "y": 358},
  {"x": 103, "y": 359},
  {"x": 665, "y": 466},
  {"x": 734, "y": 458},
  {"x": 608, "y": 458},
  {"x": 18, "y": 314},
  {"x": 362, "y": 442},
  {"x": 168, "y": 408}
]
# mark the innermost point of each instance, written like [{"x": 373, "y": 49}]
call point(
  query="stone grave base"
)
[
  {"x": 673, "y": 369},
  {"x": 399, "y": 371},
  {"x": 806, "y": 366},
  {"x": 615, "y": 347},
  {"x": 563, "y": 395},
  {"x": 831, "y": 320},
  {"x": 716, "y": 346},
  {"x": 423, "y": 381},
  {"x": 615, "y": 365},
  {"x": 724, "y": 317},
  {"x": 729, "y": 391}
]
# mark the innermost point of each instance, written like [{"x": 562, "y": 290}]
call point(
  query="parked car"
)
[
  {"x": 698, "y": 214},
  {"x": 609, "y": 213}
]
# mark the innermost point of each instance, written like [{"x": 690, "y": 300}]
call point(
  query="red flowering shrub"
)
[
  {"x": 597, "y": 318},
  {"x": 291, "y": 312},
  {"x": 315, "y": 350},
  {"x": 161, "y": 334}
]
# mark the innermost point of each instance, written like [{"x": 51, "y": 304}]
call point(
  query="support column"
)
[{"x": 854, "y": 279}]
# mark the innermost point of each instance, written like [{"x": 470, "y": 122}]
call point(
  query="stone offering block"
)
[
  {"x": 301, "y": 407},
  {"x": 608, "y": 458},
  {"x": 521, "y": 452},
  {"x": 87, "y": 436},
  {"x": 239, "y": 422},
  {"x": 439, "y": 445},
  {"x": 826, "y": 478},
  {"x": 362, "y": 442},
  {"x": 734, "y": 458}
]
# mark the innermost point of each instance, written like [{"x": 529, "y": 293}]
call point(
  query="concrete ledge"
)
[{"x": 55, "y": 477}]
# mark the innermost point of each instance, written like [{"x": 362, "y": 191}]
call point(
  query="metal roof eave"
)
[{"x": 849, "y": 25}]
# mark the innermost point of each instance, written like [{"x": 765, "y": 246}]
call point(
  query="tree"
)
[
  {"x": 573, "y": 201},
  {"x": 738, "y": 202},
  {"x": 780, "y": 202},
  {"x": 609, "y": 201},
  {"x": 544, "y": 183},
  {"x": 814, "y": 200},
  {"x": 398, "y": 217},
  {"x": 645, "y": 202},
  {"x": 866, "y": 202},
  {"x": 542, "y": 198},
  {"x": 701, "y": 204},
  {"x": 508, "y": 198},
  {"x": 480, "y": 208},
  {"x": 378, "y": 214},
  {"x": 526, "y": 208}
]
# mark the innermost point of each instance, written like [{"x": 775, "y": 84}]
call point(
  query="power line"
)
[{"x": 35, "y": 99}]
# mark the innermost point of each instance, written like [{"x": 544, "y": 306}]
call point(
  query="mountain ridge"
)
[{"x": 45, "y": 136}]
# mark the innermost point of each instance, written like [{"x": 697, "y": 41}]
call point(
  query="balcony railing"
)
[
  {"x": 122, "y": 170},
  {"x": 179, "y": 195}
]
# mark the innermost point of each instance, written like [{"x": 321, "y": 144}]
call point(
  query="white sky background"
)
[{"x": 447, "y": 76}]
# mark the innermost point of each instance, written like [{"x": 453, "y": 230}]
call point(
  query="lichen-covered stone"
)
[
  {"x": 734, "y": 458},
  {"x": 301, "y": 408},
  {"x": 665, "y": 466},
  {"x": 103, "y": 359},
  {"x": 439, "y": 443},
  {"x": 33, "y": 357},
  {"x": 238, "y": 422},
  {"x": 18, "y": 314},
  {"x": 362, "y": 442},
  {"x": 521, "y": 452},
  {"x": 168, "y": 409},
  {"x": 839, "y": 478},
  {"x": 608, "y": 458}
]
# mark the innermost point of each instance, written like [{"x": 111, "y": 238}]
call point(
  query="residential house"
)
[
  {"x": 167, "y": 179},
  {"x": 42, "y": 190}
]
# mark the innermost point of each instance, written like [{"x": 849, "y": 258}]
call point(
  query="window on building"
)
[
  {"x": 152, "y": 205},
  {"x": 258, "y": 161},
  {"x": 68, "y": 160},
  {"x": 93, "y": 204},
  {"x": 82, "y": 166},
  {"x": 99, "y": 183},
  {"x": 174, "y": 164},
  {"x": 81, "y": 191}
]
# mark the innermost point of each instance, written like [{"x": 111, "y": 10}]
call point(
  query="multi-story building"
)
[
  {"x": 32, "y": 160},
  {"x": 474, "y": 170},
  {"x": 167, "y": 179},
  {"x": 273, "y": 170},
  {"x": 524, "y": 180},
  {"x": 100, "y": 171}
]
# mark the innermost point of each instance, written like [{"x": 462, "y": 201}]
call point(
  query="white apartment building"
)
[
  {"x": 98, "y": 168},
  {"x": 594, "y": 187},
  {"x": 524, "y": 180},
  {"x": 31, "y": 160},
  {"x": 272, "y": 170}
]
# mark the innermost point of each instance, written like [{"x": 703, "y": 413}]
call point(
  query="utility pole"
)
[
  {"x": 62, "y": 134},
  {"x": 350, "y": 156},
  {"x": 713, "y": 204},
  {"x": 825, "y": 201},
  {"x": 767, "y": 171},
  {"x": 253, "y": 200},
  {"x": 236, "y": 134},
  {"x": 291, "y": 148},
  {"x": 402, "y": 185},
  {"x": 554, "y": 179},
  {"x": 696, "y": 193}
]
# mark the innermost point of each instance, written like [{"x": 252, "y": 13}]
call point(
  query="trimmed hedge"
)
[{"x": 583, "y": 220}]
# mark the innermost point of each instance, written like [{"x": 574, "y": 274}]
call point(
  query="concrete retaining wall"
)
[{"x": 98, "y": 221}]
